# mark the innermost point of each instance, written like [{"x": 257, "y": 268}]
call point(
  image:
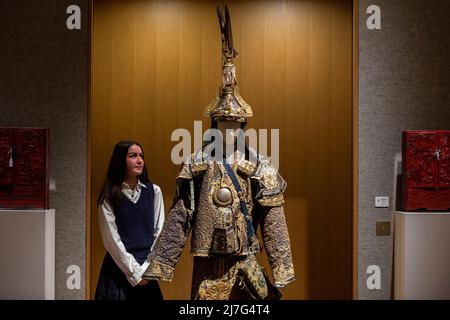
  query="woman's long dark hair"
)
[{"x": 117, "y": 170}]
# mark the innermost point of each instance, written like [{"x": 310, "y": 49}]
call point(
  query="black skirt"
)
[{"x": 113, "y": 285}]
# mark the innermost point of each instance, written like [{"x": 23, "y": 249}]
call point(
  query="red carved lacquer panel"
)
[
  {"x": 30, "y": 160},
  {"x": 6, "y": 170},
  {"x": 421, "y": 166},
  {"x": 23, "y": 179},
  {"x": 444, "y": 162},
  {"x": 426, "y": 164},
  {"x": 429, "y": 195}
]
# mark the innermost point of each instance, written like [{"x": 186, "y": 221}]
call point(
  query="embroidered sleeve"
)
[
  {"x": 277, "y": 244},
  {"x": 174, "y": 235}
]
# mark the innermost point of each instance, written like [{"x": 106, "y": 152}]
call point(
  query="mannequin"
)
[{"x": 223, "y": 196}]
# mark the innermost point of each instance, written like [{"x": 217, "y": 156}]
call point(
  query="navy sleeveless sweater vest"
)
[{"x": 135, "y": 223}]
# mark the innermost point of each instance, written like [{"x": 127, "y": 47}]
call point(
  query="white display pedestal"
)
[
  {"x": 27, "y": 250},
  {"x": 422, "y": 255}
]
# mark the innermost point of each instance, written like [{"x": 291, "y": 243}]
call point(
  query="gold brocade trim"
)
[
  {"x": 270, "y": 182},
  {"x": 158, "y": 270},
  {"x": 207, "y": 252},
  {"x": 200, "y": 253},
  {"x": 229, "y": 106},
  {"x": 272, "y": 201},
  {"x": 244, "y": 279},
  {"x": 283, "y": 274},
  {"x": 253, "y": 275},
  {"x": 269, "y": 178},
  {"x": 219, "y": 289},
  {"x": 246, "y": 167},
  {"x": 212, "y": 104},
  {"x": 187, "y": 177},
  {"x": 245, "y": 105},
  {"x": 185, "y": 172},
  {"x": 198, "y": 168}
]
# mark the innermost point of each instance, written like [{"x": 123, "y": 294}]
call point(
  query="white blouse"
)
[{"x": 111, "y": 238}]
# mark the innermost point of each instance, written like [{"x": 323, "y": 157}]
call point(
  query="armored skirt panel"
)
[{"x": 224, "y": 278}]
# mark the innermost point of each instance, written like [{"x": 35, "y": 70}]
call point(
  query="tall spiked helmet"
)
[{"x": 228, "y": 105}]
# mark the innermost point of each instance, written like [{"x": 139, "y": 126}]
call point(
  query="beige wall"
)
[
  {"x": 404, "y": 85},
  {"x": 156, "y": 66},
  {"x": 44, "y": 71}
]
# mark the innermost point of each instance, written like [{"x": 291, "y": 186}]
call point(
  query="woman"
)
[{"x": 131, "y": 216}]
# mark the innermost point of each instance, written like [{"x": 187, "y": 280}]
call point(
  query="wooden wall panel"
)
[{"x": 157, "y": 64}]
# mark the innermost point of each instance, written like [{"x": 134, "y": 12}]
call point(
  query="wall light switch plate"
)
[
  {"x": 381, "y": 202},
  {"x": 52, "y": 185}
]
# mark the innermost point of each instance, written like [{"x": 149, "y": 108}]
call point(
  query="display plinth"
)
[
  {"x": 422, "y": 255},
  {"x": 27, "y": 248}
]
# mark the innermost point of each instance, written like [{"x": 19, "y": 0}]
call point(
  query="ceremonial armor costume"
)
[{"x": 223, "y": 206}]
